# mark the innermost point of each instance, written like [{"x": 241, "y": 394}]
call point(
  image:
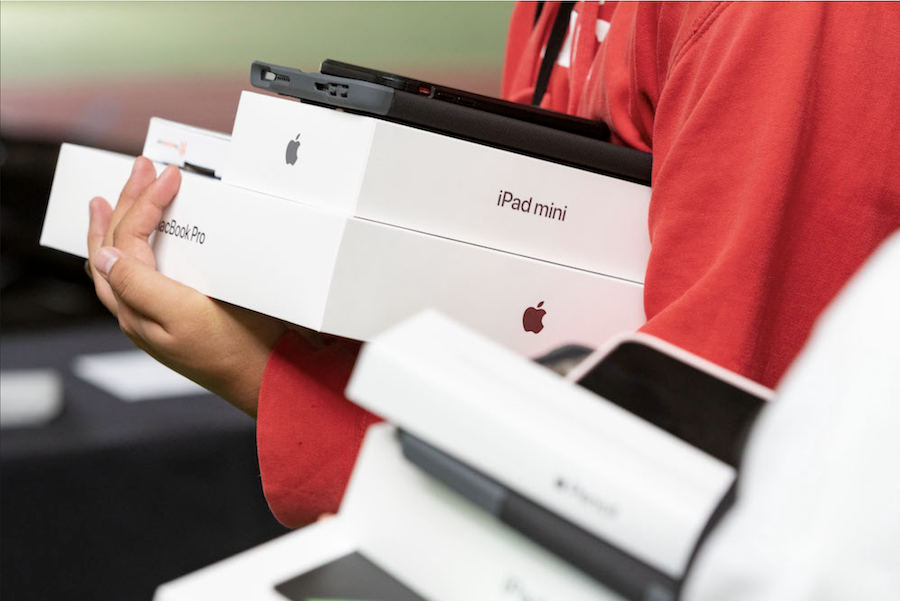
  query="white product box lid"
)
[
  {"x": 524, "y": 426},
  {"x": 346, "y": 276},
  {"x": 410, "y": 526},
  {"x": 412, "y": 178}
]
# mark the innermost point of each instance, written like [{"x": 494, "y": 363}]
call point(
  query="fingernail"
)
[
  {"x": 134, "y": 167},
  {"x": 169, "y": 171},
  {"x": 105, "y": 258}
]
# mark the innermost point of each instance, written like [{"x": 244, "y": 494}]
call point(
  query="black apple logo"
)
[
  {"x": 290, "y": 155},
  {"x": 533, "y": 319}
]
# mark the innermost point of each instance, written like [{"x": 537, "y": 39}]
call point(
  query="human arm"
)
[
  {"x": 308, "y": 434},
  {"x": 222, "y": 347}
]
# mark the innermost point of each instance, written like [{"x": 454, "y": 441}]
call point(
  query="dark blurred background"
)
[{"x": 109, "y": 499}]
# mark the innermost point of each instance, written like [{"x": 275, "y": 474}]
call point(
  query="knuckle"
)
[
  {"x": 123, "y": 283},
  {"x": 164, "y": 342},
  {"x": 109, "y": 238},
  {"x": 127, "y": 327}
]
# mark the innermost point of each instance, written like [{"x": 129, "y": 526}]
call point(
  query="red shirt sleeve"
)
[
  {"x": 308, "y": 434},
  {"x": 774, "y": 130}
]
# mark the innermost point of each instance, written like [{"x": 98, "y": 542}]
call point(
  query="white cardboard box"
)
[
  {"x": 321, "y": 269},
  {"x": 192, "y": 147},
  {"x": 412, "y": 178},
  {"x": 629, "y": 482},
  {"x": 412, "y": 527}
]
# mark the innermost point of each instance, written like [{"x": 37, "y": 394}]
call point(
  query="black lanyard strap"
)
[{"x": 554, "y": 45}]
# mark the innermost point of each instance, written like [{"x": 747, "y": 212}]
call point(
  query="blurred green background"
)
[
  {"x": 94, "y": 73},
  {"x": 72, "y": 41}
]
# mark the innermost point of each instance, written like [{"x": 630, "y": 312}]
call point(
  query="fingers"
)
[
  {"x": 139, "y": 286},
  {"x": 143, "y": 173},
  {"x": 144, "y": 214},
  {"x": 101, "y": 214},
  {"x": 129, "y": 226}
]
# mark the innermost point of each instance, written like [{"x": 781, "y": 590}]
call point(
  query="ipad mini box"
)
[
  {"x": 317, "y": 266},
  {"x": 412, "y": 178}
]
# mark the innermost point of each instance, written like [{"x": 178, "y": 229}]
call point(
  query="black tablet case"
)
[{"x": 456, "y": 120}]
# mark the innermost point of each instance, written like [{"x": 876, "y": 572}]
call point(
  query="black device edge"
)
[
  {"x": 490, "y": 129},
  {"x": 524, "y": 112},
  {"x": 693, "y": 405},
  {"x": 325, "y": 90},
  {"x": 605, "y": 563}
]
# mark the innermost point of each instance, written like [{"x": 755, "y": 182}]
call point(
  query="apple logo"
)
[
  {"x": 290, "y": 155},
  {"x": 533, "y": 318}
]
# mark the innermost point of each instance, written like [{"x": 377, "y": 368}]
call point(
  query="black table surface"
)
[
  {"x": 113, "y": 498},
  {"x": 92, "y": 418}
]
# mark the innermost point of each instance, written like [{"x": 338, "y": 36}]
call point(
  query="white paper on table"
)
[
  {"x": 133, "y": 376},
  {"x": 29, "y": 397}
]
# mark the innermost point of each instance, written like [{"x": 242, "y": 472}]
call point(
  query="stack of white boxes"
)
[{"x": 347, "y": 224}]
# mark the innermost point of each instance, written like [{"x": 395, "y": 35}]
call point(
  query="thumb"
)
[
  {"x": 139, "y": 285},
  {"x": 105, "y": 258}
]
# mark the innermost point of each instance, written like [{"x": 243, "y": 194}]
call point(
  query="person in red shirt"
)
[{"x": 774, "y": 132}]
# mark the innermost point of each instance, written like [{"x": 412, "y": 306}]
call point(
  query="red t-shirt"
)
[{"x": 773, "y": 131}]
